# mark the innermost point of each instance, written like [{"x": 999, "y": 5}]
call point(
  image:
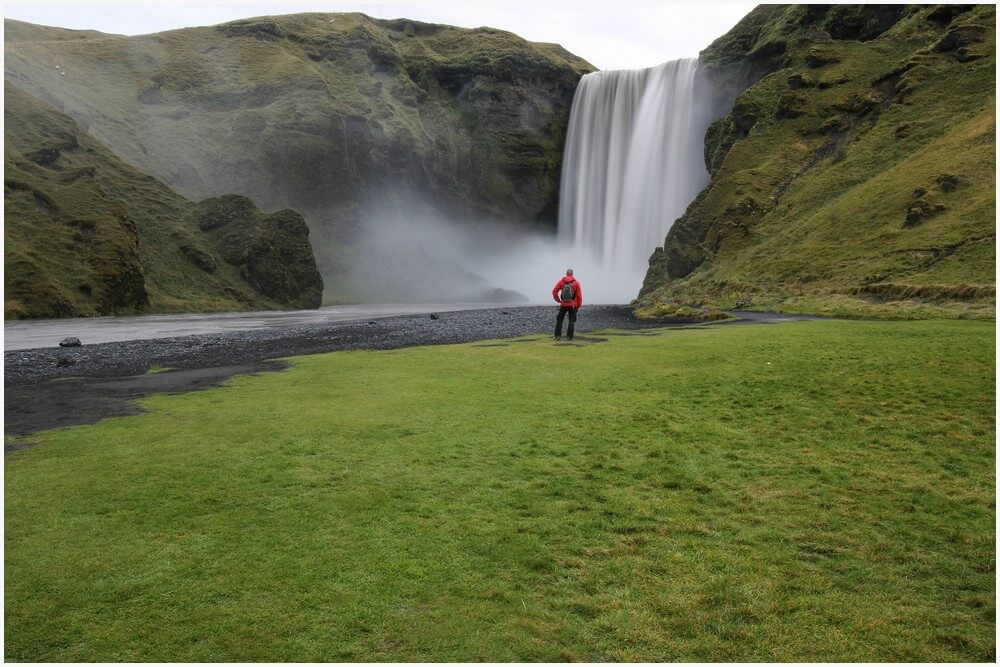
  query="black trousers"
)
[{"x": 572, "y": 321}]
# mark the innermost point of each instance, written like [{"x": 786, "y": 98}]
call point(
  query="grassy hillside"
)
[
  {"x": 856, "y": 176},
  {"x": 86, "y": 234},
  {"x": 811, "y": 491},
  {"x": 328, "y": 114},
  {"x": 19, "y": 31}
]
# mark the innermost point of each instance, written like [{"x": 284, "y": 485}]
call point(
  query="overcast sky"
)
[{"x": 611, "y": 34}]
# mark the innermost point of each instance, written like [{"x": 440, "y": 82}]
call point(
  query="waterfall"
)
[{"x": 632, "y": 164}]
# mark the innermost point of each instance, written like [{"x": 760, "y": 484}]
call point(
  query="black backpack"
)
[{"x": 567, "y": 293}]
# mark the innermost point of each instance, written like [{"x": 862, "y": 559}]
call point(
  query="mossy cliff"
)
[
  {"x": 853, "y": 172},
  {"x": 87, "y": 234},
  {"x": 323, "y": 113}
]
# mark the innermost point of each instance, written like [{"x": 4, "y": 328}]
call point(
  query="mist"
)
[{"x": 407, "y": 251}]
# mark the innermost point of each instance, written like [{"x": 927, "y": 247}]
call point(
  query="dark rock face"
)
[
  {"x": 44, "y": 156},
  {"x": 260, "y": 30},
  {"x": 795, "y": 82},
  {"x": 862, "y": 22},
  {"x": 791, "y": 105},
  {"x": 945, "y": 14},
  {"x": 921, "y": 209},
  {"x": 961, "y": 36},
  {"x": 118, "y": 267},
  {"x": 724, "y": 132},
  {"x": 819, "y": 57},
  {"x": 279, "y": 260},
  {"x": 925, "y": 204}
]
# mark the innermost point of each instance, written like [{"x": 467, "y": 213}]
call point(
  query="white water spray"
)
[{"x": 633, "y": 163}]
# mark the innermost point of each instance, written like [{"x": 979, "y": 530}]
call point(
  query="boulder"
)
[
  {"x": 70, "y": 342},
  {"x": 947, "y": 182},
  {"x": 921, "y": 209}
]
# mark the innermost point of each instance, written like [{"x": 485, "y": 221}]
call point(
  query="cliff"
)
[
  {"x": 854, "y": 171},
  {"x": 329, "y": 114}
]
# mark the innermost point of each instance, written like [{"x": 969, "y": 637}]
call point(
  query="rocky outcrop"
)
[{"x": 272, "y": 251}]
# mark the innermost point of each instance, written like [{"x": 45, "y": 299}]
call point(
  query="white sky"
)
[{"x": 611, "y": 34}]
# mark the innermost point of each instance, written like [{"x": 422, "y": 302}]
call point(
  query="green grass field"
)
[{"x": 805, "y": 491}]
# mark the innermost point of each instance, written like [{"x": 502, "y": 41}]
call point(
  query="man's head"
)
[{"x": 569, "y": 272}]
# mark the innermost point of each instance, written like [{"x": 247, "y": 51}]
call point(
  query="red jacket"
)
[{"x": 578, "y": 293}]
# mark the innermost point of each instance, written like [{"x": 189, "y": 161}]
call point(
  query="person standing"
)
[{"x": 569, "y": 296}]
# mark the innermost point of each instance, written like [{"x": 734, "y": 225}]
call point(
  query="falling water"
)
[{"x": 633, "y": 163}]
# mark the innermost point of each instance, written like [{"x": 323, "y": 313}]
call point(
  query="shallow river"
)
[{"x": 28, "y": 334}]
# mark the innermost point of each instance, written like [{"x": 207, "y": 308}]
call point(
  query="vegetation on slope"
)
[
  {"x": 86, "y": 234},
  {"x": 323, "y": 113},
  {"x": 436, "y": 504},
  {"x": 857, "y": 176}
]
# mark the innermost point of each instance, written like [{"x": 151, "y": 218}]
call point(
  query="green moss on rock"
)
[
  {"x": 272, "y": 251},
  {"x": 859, "y": 150}
]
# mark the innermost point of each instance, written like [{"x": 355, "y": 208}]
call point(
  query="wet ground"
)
[
  {"x": 49, "y": 387},
  {"x": 28, "y": 334}
]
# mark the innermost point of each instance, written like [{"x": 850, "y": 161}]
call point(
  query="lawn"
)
[{"x": 804, "y": 491}]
